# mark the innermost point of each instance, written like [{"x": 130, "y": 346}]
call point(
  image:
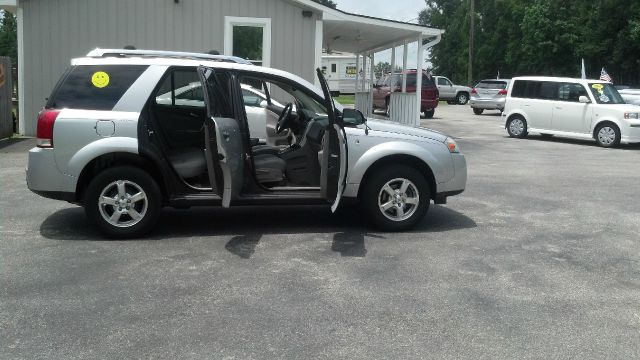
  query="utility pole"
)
[{"x": 472, "y": 28}]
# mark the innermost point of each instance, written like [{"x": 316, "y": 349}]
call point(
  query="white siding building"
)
[{"x": 285, "y": 34}]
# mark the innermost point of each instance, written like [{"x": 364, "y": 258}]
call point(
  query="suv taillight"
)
[
  {"x": 502, "y": 92},
  {"x": 474, "y": 91},
  {"x": 46, "y": 119}
]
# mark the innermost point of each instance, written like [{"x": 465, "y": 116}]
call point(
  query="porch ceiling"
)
[{"x": 360, "y": 34}]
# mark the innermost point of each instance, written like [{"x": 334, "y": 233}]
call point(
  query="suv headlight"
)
[
  {"x": 452, "y": 146},
  {"x": 632, "y": 115}
]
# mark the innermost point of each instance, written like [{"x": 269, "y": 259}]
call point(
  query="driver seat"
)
[{"x": 269, "y": 168}]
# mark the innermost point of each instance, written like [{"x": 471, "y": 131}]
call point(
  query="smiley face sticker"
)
[{"x": 100, "y": 79}]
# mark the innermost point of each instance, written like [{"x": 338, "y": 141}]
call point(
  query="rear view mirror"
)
[
  {"x": 353, "y": 117},
  {"x": 264, "y": 104},
  {"x": 583, "y": 99}
]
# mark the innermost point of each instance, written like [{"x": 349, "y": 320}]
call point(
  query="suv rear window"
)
[
  {"x": 492, "y": 85},
  {"x": 94, "y": 87}
]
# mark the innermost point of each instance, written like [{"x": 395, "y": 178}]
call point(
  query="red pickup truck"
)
[{"x": 393, "y": 83}]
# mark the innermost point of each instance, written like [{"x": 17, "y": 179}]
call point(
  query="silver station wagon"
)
[{"x": 120, "y": 136}]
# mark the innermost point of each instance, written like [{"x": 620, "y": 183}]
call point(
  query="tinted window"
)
[
  {"x": 94, "y": 87},
  {"x": 548, "y": 91},
  {"x": 571, "y": 92},
  {"x": 492, "y": 85},
  {"x": 181, "y": 88},
  {"x": 444, "y": 82},
  {"x": 532, "y": 89},
  {"x": 519, "y": 89}
]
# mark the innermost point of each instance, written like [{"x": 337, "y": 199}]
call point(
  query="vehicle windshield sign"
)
[{"x": 605, "y": 93}]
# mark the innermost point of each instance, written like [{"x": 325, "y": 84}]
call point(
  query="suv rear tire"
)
[
  {"x": 396, "y": 198},
  {"x": 123, "y": 202},
  {"x": 478, "y": 111},
  {"x": 429, "y": 113}
]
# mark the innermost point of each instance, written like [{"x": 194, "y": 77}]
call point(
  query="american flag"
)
[{"x": 604, "y": 76}]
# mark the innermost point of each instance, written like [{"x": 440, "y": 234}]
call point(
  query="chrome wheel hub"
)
[
  {"x": 398, "y": 199},
  {"x": 123, "y": 203},
  {"x": 607, "y": 135},
  {"x": 517, "y": 127}
]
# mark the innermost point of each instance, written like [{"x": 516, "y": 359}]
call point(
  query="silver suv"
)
[{"x": 104, "y": 141}]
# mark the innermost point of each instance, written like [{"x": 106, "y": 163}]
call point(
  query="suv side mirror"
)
[
  {"x": 353, "y": 117},
  {"x": 583, "y": 99}
]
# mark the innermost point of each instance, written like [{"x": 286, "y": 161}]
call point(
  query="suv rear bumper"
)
[
  {"x": 44, "y": 178},
  {"x": 488, "y": 104}
]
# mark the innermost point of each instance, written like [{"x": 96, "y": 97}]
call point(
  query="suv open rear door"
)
[
  {"x": 223, "y": 142},
  {"x": 333, "y": 166}
]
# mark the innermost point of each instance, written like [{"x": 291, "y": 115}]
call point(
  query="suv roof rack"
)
[{"x": 100, "y": 53}]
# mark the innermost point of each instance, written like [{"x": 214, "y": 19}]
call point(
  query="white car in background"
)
[
  {"x": 261, "y": 115},
  {"x": 631, "y": 96},
  {"x": 578, "y": 108}
]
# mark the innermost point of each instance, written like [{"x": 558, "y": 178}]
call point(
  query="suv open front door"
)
[
  {"x": 223, "y": 142},
  {"x": 333, "y": 167}
]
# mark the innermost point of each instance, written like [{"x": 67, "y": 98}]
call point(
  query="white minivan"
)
[{"x": 579, "y": 108}]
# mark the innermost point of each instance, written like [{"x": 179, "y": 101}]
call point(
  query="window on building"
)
[
  {"x": 248, "y": 38},
  {"x": 334, "y": 68}
]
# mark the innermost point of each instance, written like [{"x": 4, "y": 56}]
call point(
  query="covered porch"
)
[{"x": 366, "y": 36}]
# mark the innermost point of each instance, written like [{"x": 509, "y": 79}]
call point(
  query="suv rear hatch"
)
[{"x": 488, "y": 89}]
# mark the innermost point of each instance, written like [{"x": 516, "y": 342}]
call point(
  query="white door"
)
[
  {"x": 333, "y": 164},
  {"x": 445, "y": 87},
  {"x": 568, "y": 113}
]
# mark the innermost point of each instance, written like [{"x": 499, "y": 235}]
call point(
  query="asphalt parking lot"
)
[{"x": 539, "y": 258}]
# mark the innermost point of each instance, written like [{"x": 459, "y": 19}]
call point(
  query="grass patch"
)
[{"x": 345, "y": 99}]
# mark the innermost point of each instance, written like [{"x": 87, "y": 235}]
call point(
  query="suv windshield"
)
[{"x": 605, "y": 93}]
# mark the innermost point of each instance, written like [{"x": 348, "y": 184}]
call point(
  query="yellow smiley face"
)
[{"x": 100, "y": 79}]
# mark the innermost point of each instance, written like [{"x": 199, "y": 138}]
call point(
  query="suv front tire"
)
[{"x": 396, "y": 198}]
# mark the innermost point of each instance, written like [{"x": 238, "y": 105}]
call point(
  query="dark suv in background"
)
[{"x": 393, "y": 83}]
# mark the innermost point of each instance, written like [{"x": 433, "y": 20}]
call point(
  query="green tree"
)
[
  {"x": 537, "y": 37},
  {"x": 328, "y": 3},
  {"x": 9, "y": 36},
  {"x": 384, "y": 68}
]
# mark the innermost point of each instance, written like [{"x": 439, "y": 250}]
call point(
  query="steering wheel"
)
[{"x": 284, "y": 119}]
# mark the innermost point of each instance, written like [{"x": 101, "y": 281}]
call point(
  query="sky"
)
[{"x": 400, "y": 10}]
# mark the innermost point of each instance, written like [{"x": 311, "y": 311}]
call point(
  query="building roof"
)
[{"x": 347, "y": 32}]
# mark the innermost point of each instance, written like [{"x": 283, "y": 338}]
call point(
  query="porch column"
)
[
  {"x": 372, "y": 77},
  {"x": 404, "y": 68},
  {"x": 393, "y": 59},
  {"x": 364, "y": 71},
  {"x": 364, "y": 96},
  {"x": 404, "y": 107},
  {"x": 357, "y": 72},
  {"x": 419, "y": 77}
]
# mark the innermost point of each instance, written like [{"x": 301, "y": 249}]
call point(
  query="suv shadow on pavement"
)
[{"x": 247, "y": 225}]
